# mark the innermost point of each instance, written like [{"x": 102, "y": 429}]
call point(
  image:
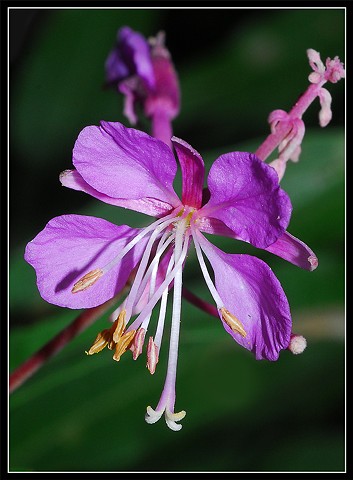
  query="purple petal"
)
[
  {"x": 125, "y": 163},
  {"x": 116, "y": 69},
  {"x": 295, "y": 251},
  {"x": 149, "y": 206},
  {"x": 246, "y": 196},
  {"x": 193, "y": 172},
  {"x": 287, "y": 246},
  {"x": 69, "y": 247},
  {"x": 252, "y": 293},
  {"x": 129, "y": 88},
  {"x": 215, "y": 227},
  {"x": 130, "y": 56}
]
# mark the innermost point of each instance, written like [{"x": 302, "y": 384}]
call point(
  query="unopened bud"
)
[{"x": 325, "y": 113}]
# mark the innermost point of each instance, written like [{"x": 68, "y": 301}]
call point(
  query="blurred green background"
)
[{"x": 82, "y": 413}]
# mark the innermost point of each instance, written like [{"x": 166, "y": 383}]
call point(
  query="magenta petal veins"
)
[
  {"x": 246, "y": 197},
  {"x": 125, "y": 163}
]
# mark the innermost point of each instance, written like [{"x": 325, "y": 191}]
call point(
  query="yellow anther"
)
[
  {"x": 123, "y": 344},
  {"x": 111, "y": 345},
  {"x": 100, "y": 342},
  {"x": 87, "y": 280},
  {"x": 233, "y": 322},
  {"x": 118, "y": 326},
  {"x": 109, "y": 336}
]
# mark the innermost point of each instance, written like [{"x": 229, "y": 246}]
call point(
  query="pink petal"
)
[
  {"x": 245, "y": 195},
  {"x": 295, "y": 251},
  {"x": 193, "y": 172},
  {"x": 149, "y": 206},
  {"x": 125, "y": 163},
  {"x": 287, "y": 246},
  {"x": 252, "y": 293},
  {"x": 69, "y": 247}
]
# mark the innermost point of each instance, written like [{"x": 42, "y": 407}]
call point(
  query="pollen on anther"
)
[
  {"x": 123, "y": 344},
  {"x": 233, "y": 322},
  {"x": 100, "y": 342},
  {"x": 87, "y": 280},
  {"x": 119, "y": 326}
]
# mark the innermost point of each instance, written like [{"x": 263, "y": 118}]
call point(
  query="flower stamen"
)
[
  {"x": 152, "y": 356},
  {"x": 87, "y": 280},
  {"x": 101, "y": 341},
  {"x": 109, "y": 336},
  {"x": 163, "y": 308},
  {"x": 123, "y": 344},
  {"x": 156, "y": 227},
  {"x": 137, "y": 344},
  {"x": 119, "y": 326},
  {"x": 232, "y": 321},
  {"x": 206, "y": 275}
]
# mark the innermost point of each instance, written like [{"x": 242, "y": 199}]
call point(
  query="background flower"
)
[{"x": 235, "y": 67}]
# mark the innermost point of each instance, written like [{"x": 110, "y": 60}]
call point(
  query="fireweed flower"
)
[
  {"x": 143, "y": 72},
  {"x": 83, "y": 261}
]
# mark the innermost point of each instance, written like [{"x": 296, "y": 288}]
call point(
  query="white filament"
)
[
  {"x": 204, "y": 270},
  {"x": 159, "y": 225}
]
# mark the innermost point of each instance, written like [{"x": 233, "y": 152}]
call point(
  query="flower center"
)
[{"x": 160, "y": 267}]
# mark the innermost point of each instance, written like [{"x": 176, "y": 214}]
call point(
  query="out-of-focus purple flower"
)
[
  {"x": 143, "y": 71},
  {"x": 130, "y": 56},
  {"x": 83, "y": 261}
]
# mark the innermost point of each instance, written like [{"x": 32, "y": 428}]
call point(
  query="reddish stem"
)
[
  {"x": 272, "y": 141},
  {"x": 199, "y": 303},
  {"x": 30, "y": 366},
  {"x": 283, "y": 128}
]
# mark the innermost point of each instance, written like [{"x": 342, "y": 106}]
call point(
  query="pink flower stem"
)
[
  {"x": 283, "y": 128},
  {"x": 32, "y": 364},
  {"x": 162, "y": 126},
  {"x": 272, "y": 141}
]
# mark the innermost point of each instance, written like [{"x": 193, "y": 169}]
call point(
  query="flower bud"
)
[{"x": 144, "y": 73}]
